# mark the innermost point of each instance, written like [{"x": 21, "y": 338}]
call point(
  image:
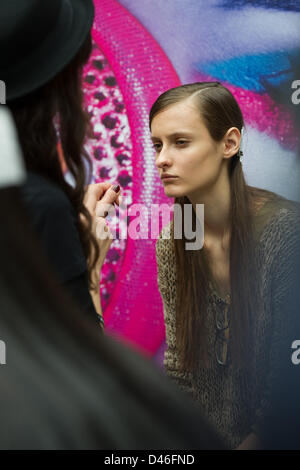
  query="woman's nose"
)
[{"x": 163, "y": 159}]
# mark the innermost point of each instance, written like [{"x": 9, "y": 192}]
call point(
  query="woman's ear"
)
[{"x": 232, "y": 141}]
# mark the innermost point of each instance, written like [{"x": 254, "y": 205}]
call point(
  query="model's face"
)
[{"x": 185, "y": 149}]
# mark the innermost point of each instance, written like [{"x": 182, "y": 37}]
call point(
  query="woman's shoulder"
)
[
  {"x": 278, "y": 230},
  {"x": 55, "y": 222},
  {"x": 276, "y": 214},
  {"x": 39, "y": 193}
]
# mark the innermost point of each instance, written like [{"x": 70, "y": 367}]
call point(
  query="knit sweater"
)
[{"x": 234, "y": 402}]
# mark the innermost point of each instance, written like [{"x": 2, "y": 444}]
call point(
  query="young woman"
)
[
  {"x": 42, "y": 70},
  {"x": 64, "y": 386},
  {"x": 225, "y": 305}
]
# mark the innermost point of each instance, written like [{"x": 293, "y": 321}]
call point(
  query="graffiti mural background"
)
[{"x": 143, "y": 47}]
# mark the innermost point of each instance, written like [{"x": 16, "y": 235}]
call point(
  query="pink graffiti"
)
[
  {"x": 263, "y": 114},
  {"x": 142, "y": 71}
]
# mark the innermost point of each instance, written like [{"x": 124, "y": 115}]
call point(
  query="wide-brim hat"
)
[{"x": 38, "y": 38}]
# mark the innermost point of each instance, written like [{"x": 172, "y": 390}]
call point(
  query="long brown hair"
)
[
  {"x": 61, "y": 99},
  {"x": 219, "y": 111}
]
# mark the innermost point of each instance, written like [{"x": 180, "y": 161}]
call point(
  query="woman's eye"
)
[
  {"x": 181, "y": 142},
  {"x": 156, "y": 147}
]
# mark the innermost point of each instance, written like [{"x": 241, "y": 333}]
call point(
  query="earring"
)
[{"x": 240, "y": 152}]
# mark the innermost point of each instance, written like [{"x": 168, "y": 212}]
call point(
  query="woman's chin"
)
[{"x": 173, "y": 192}]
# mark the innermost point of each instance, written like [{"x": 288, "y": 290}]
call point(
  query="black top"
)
[{"x": 55, "y": 220}]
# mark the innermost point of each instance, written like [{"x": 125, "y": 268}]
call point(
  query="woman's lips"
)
[{"x": 166, "y": 178}]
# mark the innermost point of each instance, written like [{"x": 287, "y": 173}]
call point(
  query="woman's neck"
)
[{"x": 216, "y": 211}]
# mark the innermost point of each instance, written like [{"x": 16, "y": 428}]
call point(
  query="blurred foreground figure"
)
[
  {"x": 63, "y": 386},
  {"x": 44, "y": 47}
]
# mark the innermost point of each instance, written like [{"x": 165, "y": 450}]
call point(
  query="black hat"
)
[{"x": 38, "y": 38}]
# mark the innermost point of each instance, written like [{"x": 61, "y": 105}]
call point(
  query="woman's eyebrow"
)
[{"x": 174, "y": 135}]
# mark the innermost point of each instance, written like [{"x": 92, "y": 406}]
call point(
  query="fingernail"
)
[{"x": 116, "y": 188}]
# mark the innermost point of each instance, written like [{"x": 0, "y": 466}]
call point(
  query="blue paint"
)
[
  {"x": 284, "y": 5},
  {"x": 251, "y": 72}
]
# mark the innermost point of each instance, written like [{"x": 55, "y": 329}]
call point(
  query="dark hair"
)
[
  {"x": 61, "y": 99},
  {"x": 219, "y": 111},
  {"x": 64, "y": 386}
]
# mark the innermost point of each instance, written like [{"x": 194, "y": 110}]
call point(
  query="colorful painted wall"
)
[{"x": 142, "y": 48}]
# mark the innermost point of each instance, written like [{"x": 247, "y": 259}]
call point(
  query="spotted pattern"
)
[{"x": 110, "y": 149}]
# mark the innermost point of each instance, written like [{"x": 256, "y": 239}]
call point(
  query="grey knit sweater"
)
[{"x": 234, "y": 402}]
